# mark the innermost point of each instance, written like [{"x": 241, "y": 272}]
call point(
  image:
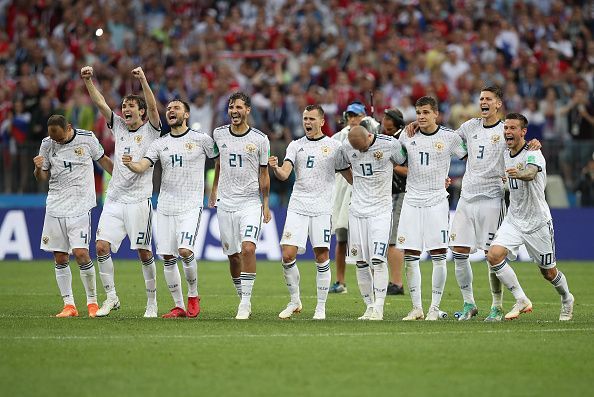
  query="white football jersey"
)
[
  {"x": 429, "y": 157},
  {"x": 126, "y": 186},
  {"x": 484, "y": 166},
  {"x": 314, "y": 162},
  {"x": 182, "y": 159},
  {"x": 241, "y": 159},
  {"x": 72, "y": 182},
  {"x": 528, "y": 210},
  {"x": 372, "y": 174}
]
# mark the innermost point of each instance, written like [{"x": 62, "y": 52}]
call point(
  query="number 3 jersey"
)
[
  {"x": 241, "y": 159},
  {"x": 72, "y": 182},
  {"x": 182, "y": 159},
  {"x": 429, "y": 157},
  {"x": 528, "y": 209},
  {"x": 315, "y": 163}
]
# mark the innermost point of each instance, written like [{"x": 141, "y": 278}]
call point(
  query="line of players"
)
[{"x": 240, "y": 193}]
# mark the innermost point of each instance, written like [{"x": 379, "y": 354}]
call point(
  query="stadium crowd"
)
[{"x": 287, "y": 55}]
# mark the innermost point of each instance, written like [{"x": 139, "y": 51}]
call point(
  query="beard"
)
[{"x": 176, "y": 123}]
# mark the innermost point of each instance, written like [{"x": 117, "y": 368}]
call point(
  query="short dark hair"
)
[
  {"x": 495, "y": 89},
  {"x": 139, "y": 101},
  {"x": 317, "y": 107},
  {"x": 186, "y": 104},
  {"x": 518, "y": 116},
  {"x": 427, "y": 100},
  {"x": 396, "y": 116},
  {"x": 240, "y": 95},
  {"x": 57, "y": 120}
]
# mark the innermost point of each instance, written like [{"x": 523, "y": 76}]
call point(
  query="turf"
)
[{"x": 125, "y": 354}]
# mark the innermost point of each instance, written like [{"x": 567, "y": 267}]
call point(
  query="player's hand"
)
[
  {"x": 212, "y": 200},
  {"x": 86, "y": 72},
  {"x": 504, "y": 178},
  {"x": 411, "y": 129},
  {"x": 38, "y": 161},
  {"x": 126, "y": 159},
  {"x": 273, "y": 161},
  {"x": 512, "y": 172},
  {"x": 138, "y": 73},
  {"x": 534, "y": 145},
  {"x": 267, "y": 215},
  {"x": 448, "y": 182}
]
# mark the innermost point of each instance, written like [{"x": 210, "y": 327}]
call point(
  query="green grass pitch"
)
[{"x": 215, "y": 355}]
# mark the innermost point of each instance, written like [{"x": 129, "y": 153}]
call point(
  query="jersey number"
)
[
  {"x": 68, "y": 164},
  {"x": 481, "y": 152},
  {"x": 176, "y": 158},
  {"x": 513, "y": 183},
  {"x": 424, "y": 158},
  {"x": 366, "y": 169},
  {"x": 235, "y": 160},
  {"x": 310, "y": 161}
]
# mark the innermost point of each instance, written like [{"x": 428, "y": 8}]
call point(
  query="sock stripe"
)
[
  {"x": 557, "y": 279},
  {"x": 149, "y": 262},
  {"x": 500, "y": 266},
  {"x": 460, "y": 256},
  {"x": 362, "y": 265},
  {"x": 103, "y": 258},
  {"x": 61, "y": 265},
  {"x": 188, "y": 259},
  {"x": 86, "y": 266},
  {"x": 170, "y": 262},
  {"x": 438, "y": 257},
  {"x": 236, "y": 280},
  {"x": 289, "y": 265},
  {"x": 323, "y": 268},
  {"x": 411, "y": 258},
  {"x": 376, "y": 261},
  {"x": 248, "y": 276}
]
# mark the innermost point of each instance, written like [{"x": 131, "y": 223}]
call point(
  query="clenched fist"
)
[{"x": 86, "y": 72}]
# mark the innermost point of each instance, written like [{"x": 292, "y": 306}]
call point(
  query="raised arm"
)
[
  {"x": 282, "y": 173},
  {"x": 106, "y": 163},
  {"x": 87, "y": 75},
  {"x": 40, "y": 174},
  {"x": 149, "y": 97},
  {"x": 212, "y": 200},
  {"x": 264, "y": 179},
  {"x": 137, "y": 167}
]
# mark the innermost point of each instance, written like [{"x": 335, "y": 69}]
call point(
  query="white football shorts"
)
[
  {"x": 298, "y": 227},
  {"x": 238, "y": 226},
  {"x": 177, "y": 231},
  {"x": 119, "y": 220},
  {"x": 368, "y": 237},
  {"x": 423, "y": 228},
  {"x": 66, "y": 234},
  {"x": 476, "y": 222}
]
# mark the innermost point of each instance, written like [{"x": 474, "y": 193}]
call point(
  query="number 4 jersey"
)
[{"x": 72, "y": 183}]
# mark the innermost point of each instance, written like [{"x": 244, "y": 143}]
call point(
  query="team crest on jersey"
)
[
  {"x": 378, "y": 155},
  {"x": 138, "y": 138},
  {"x": 287, "y": 235},
  {"x": 520, "y": 166},
  {"x": 495, "y": 139},
  {"x": 79, "y": 151},
  {"x": 401, "y": 239},
  {"x": 190, "y": 146},
  {"x": 250, "y": 148},
  {"x": 439, "y": 145},
  {"x": 354, "y": 251},
  {"x": 325, "y": 150},
  {"x": 452, "y": 236},
  {"x": 45, "y": 239}
]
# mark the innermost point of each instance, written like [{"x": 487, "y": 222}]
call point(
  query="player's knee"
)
[
  {"x": 184, "y": 252},
  {"x": 248, "y": 248},
  {"x": 145, "y": 255},
  {"x": 496, "y": 255},
  {"x": 549, "y": 274},
  {"x": 102, "y": 247},
  {"x": 322, "y": 254},
  {"x": 81, "y": 255},
  {"x": 461, "y": 250},
  {"x": 235, "y": 260},
  {"x": 61, "y": 257}
]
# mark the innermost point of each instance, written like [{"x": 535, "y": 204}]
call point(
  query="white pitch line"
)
[{"x": 283, "y": 335}]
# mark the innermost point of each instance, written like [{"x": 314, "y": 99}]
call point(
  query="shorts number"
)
[
  {"x": 379, "y": 248},
  {"x": 186, "y": 236},
  {"x": 140, "y": 238},
  {"x": 444, "y": 236},
  {"x": 547, "y": 259},
  {"x": 235, "y": 160},
  {"x": 310, "y": 161},
  {"x": 326, "y": 235},
  {"x": 251, "y": 231},
  {"x": 491, "y": 237},
  {"x": 84, "y": 236}
]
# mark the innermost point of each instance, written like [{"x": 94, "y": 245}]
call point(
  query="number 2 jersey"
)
[
  {"x": 72, "y": 182},
  {"x": 241, "y": 159},
  {"x": 528, "y": 209},
  {"x": 182, "y": 159},
  {"x": 315, "y": 162}
]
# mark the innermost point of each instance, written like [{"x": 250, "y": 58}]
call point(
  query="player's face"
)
[
  {"x": 354, "y": 119},
  {"x": 131, "y": 113},
  {"x": 426, "y": 117},
  {"x": 388, "y": 127},
  {"x": 59, "y": 134},
  {"x": 238, "y": 112},
  {"x": 489, "y": 104},
  {"x": 312, "y": 123},
  {"x": 514, "y": 133},
  {"x": 176, "y": 114}
]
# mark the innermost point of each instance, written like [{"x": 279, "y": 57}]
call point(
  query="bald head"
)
[{"x": 360, "y": 138}]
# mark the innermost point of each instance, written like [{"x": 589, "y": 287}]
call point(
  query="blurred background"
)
[{"x": 287, "y": 54}]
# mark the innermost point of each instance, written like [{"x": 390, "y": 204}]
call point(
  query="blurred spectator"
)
[{"x": 585, "y": 185}]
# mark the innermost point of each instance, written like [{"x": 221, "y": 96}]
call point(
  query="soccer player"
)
[
  {"x": 425, "y": 211},
  {"x": 372, "y": 159},
  {"x": 182, "y": 154},
  {"x": 392, "y": 125},
  {"x": 354, "y": 115},
  {"x": 127, "y": 209},
  {"x": 314, "y": 159},
  {"x": 528, "y": 221},
  {"x": 66, "y": 160},
  {"x": 240, "y": 192}
]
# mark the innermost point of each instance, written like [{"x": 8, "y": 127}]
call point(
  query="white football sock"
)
[
  {"x": 508, "y": 277},
  {"x": 365, "y": 281},
  {"x": 292, "y": 278},
  {"x": 463, "y": 272},
  {"x": 106, "y": 274},
  {"x": 87, "y": 276},
  {"x": 64, "y": 280},
  {"x": 191, "y": 272},
  {"x": 438, "y": 279},
  {"x": 380, "y": 282},
  {"x": 560, "y": 284},
  {"x": 173, "y": 280},
  {"x": 149, "y": 271},
  {"x": 247, "y": 284},
  {"x": 323, "y": 279},
  {"x": 237, "y": 285},
  {"x": 413, "y": 279},
  {"x": 496, "y": 290}
]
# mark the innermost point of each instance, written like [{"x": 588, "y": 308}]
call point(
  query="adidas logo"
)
[
  {"x": 166, "y": 148},
  {"x": 475, "y": 137},
  {"x": 54, "y": 155},
  {"x": 354, "y": 155},
  {"x": 300, "y": 150},
  {"x": 224, "y": 146},
  {"x": 414, "y": 143}
]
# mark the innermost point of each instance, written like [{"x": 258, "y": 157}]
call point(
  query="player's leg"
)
[
  {"x": 359, "y": 252},
  {"x": 138, "y": 225},
  {"x": 541, "y": 247},
  {"x": 231, "y": 244},
  {"x": 378, "y": 234},
  {"x": 292, "y": 242},
  {"x": 410, "y": 239},
  {"x": 54, "y": 240},
  {"x": 506, "y": 244},
  {"x": 395, "y": 255},
  {"x": 79, "y": 234},
  {"x": 167, "y": 247},
  {"x": 340, "y": 254},
  {"x": 250, "y": 226},
  {"x": 436, "y": 238},
  {"x": 186, "y": 231},
  {"x": 319, "y": 234}
]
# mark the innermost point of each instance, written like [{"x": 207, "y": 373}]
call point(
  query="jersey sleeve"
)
[
  {"x": 398, "y": 156},
  {"x": 152, "y": 153},
  {"x": 458, "y": 146},
  {"x": 342, "y": 162},
  {"x": 264, "y": 152},
  {"x": 462, "y": 130},
  {"x": 115, "y": 123},
  {"x": 291, "y": 153},
  {"x": 44, "y": 150},
  {"x": 536, "y": 158},
  {"x": 96, "y": 149},
  {"x": 210, "y": 148}
]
